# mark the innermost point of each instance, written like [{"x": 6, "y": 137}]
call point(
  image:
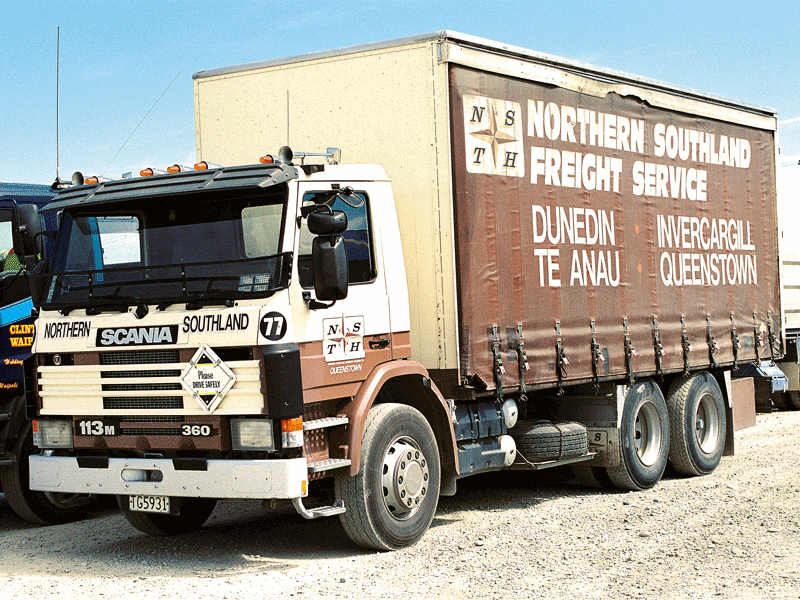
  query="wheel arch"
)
[{"x": 404, "y": 382}]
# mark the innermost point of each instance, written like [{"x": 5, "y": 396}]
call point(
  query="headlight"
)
[
  {"x": 252, "y": 434},
  {"x": 52, "y": 434}
]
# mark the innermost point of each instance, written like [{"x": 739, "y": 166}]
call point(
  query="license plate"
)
[{"x": 153, "y": 504}]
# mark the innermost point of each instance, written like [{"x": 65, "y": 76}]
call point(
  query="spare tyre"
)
[{"x": 542, "y": 440}]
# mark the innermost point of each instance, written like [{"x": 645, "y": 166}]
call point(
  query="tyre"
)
[
  {"x": 644, "y": 439},
  {"x": 793, "y": 399},
  {"x": 698, "y": 423},
  {"x": 542, "y": 440},
  {"x": 39, "y": 508},
  {"x": 193, "y": 513},
  {"x": 391, "y": 502}
]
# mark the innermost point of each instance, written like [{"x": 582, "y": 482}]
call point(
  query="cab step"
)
[
  {"x": 325, "y": 422},
  {"x": 328, "y": 464},
  {"x": 321, "y": 511}
]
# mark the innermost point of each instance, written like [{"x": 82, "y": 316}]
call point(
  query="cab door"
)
[{"x": 341, "y": 344}]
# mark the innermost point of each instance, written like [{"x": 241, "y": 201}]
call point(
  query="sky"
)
[{"x": 125, "y": 98}]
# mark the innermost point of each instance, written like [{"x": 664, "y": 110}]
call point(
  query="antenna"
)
[
  {"x": 58, "y": 63},
  {"x": 140, "y": 122}
]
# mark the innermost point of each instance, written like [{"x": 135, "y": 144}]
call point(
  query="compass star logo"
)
[
  {"x": 343, "y": 338},
  {"x": 493, "y": 136}
]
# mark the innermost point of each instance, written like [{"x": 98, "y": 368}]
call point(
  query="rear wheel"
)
[
  {"x": 644, "y": 439},
  {"x": 39, "y": 508},
  {"x": 193, "y": 513},
  {"x": 392, "y": 499},
  {"x": 698, "y": 422},
  {"x": 793, "y": 399}
]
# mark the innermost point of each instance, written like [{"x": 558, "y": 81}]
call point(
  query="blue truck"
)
[{"x": 16, "y": 338}]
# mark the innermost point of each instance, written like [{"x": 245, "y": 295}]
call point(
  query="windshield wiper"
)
[
  {"x": 201, "y": 302},
  {"x": 116, "y": 304}
]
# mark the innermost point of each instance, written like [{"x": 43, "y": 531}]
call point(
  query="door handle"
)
[{"x": 378, "y": 344}]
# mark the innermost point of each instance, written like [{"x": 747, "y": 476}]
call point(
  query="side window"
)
[
  {"x": 261, "y": 226},
  {"x": 10, "y": 262},
  {"x": 357, "y": 240}
]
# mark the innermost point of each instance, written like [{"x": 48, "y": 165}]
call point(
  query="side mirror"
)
[
  {"x": 329, "y": 261},
  {"x": 327, "y": 223},
  {"x": 38, "y": 281},
  {"x": 28, "y": 227}
]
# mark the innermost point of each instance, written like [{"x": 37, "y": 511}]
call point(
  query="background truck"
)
[
  {"x": 16, "y": 337},
  {"x": 788, "y": 213},
  {"x": 564, "y": 268}
]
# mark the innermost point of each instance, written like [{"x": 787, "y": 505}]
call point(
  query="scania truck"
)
[{"x": 524, "y": 262}]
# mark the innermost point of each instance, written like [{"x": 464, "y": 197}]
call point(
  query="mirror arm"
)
[{"x": 314, "y": 304}]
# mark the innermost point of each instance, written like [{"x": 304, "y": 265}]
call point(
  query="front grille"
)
[
  {"x": 147, "y": 381},
  {"x": 142, "y": 402}
]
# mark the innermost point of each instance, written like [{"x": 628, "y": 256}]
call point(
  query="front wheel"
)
[
  {"x": 39, "y": 508},
  {"x": 644, "y": 439},
  {"x": 392, "y": 499},
  {"x": 193, "y": 513},
  {"x": 698, "y": 422}
]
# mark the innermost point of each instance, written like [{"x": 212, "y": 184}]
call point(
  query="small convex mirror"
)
[{"x": 327, "y": 223}]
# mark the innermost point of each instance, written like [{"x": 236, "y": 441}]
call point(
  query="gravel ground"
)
[{"x": 732, "y": 534}]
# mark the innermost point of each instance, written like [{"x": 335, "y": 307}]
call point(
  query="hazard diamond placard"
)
[{"x": 207, "y": 379}]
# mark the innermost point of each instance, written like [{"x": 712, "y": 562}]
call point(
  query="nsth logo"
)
[
  {"x": 493, "y": 136},
  {"x": 137, "y": 336},
  {"x": 343, "y": 338}
]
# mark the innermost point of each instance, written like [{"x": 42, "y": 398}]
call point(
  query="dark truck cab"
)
[{"x": 19, "y": 204}]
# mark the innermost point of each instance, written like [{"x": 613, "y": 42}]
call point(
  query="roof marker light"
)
[
  {"x": 149, "y": 172},
  {"x": 267, "y": 159},
  {"x": 176, "y": 168},
  {"x": 204, "y": 166}
]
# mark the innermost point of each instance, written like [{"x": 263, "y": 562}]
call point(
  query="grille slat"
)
[
  {"x": 141, "y": 387},
  {"x": 148, "y": 431},
  {"x": 143, "y": 403},
  {"x": 151, "y": 419},
  {"x": 142, "y": 357},
  {"x": 140, "y": 374}
]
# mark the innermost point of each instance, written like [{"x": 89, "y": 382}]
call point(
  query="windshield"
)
[{"x": 183, "y": 248}]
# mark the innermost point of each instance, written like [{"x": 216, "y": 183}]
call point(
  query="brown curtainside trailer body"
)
[{"x": 603, "y": 220}]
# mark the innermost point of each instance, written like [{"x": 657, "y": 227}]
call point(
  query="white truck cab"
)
[{"x": 223, "y": 334}]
